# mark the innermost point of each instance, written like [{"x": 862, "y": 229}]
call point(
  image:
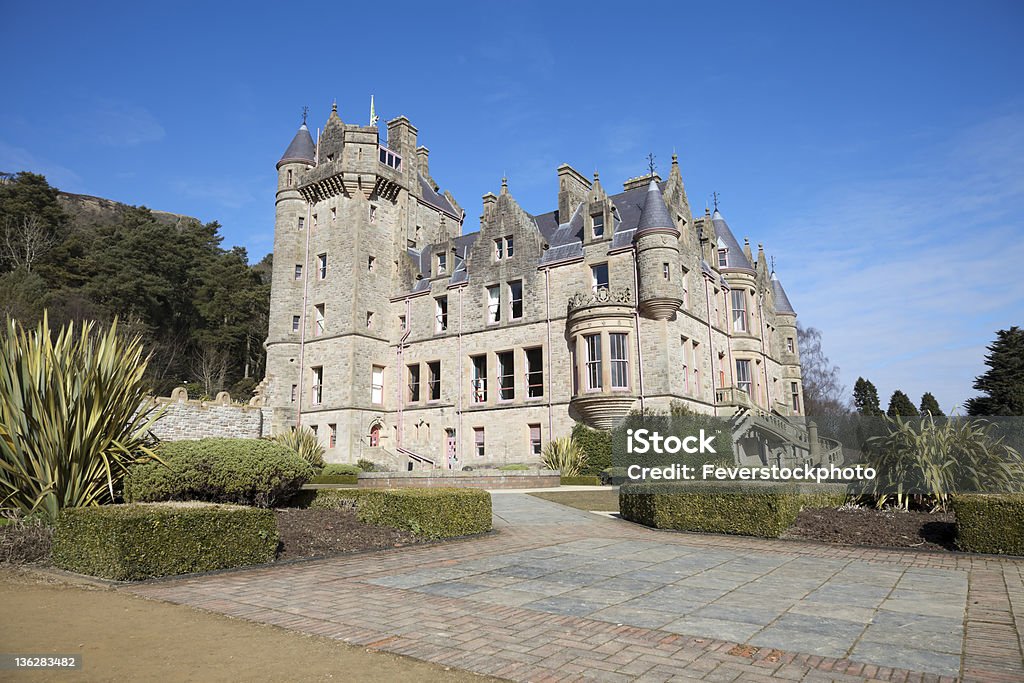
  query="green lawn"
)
[{"x": 603, "y": 500}]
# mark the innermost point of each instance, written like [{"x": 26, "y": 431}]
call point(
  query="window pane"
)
[
  {"x": 620, "y": 360},
  {"x": 506, "y": 375},
  {"x": 743, "y": 375},
  {"x": 534, "y": 373},
  {"x": 599, "y": 276},
  {"x": 593, "y": 343},
  {"x": 739, "y": 310},
  {"x": 493, "y": 305},
  {"x": 515, "y": 299},
  {"x": 479, "y": 379}
]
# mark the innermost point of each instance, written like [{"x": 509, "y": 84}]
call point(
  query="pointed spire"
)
[
  {"x": 654, "y": 215},
  {"x": 301, "y": 149},
  {"x": 746, "y": 249},
  {"x": 782, "y": 303},
  {"x": 504, "y": 184},
  {"x": 373, "y": 113}
]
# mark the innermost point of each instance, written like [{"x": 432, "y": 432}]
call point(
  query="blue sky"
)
[{"x": 875, "y": 148}]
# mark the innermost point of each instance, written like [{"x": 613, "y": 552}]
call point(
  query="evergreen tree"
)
[
  {"x": 1003, "y": 382},
  {"x": 900, "y": 404},
  {"x": 930, "y": 405},
  {"x": 865, "y": 398}
]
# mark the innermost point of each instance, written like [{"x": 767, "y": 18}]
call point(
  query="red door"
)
[{"x": 374, "y": 436}]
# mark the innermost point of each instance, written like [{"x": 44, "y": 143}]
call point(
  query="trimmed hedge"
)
[
  {"x": 141, "y": 541},
  {"x": 433, "y": 513},
  {"x": 597, "y": 444},
  {"x": 246, "y": 471},
  {"x": 748, "y": 510},
  {"x": 582, "y": 480},
  {"x": 990, "y": 523},
  {"x": 337, "y": 469},
  {"x": 335, "y": 479}
]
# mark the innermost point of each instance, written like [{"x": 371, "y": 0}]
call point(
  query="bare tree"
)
[
  {"x": 824, "y": 393},
  {"x": 24, "y": 241}
]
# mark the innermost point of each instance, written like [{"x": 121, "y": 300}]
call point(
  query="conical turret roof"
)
[
  {"x": 654, "y": 214},
  {"x": 782, "y": 304},
  {"x": 301, "y": 148},
  {"x": 735, "y": 258}
]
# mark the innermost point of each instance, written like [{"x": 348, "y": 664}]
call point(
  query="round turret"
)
[{"x": 657, "y": 255}]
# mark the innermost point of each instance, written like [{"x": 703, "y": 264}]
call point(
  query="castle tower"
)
[
  {"x": 789, "y": 358},
  {"x": 657, "y": 254}
]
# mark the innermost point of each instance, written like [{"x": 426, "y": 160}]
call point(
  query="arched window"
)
[{"x": 375, "y": 436}]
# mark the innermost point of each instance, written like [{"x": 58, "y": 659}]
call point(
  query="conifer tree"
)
[
  {"x": 930, "y": 405},
  {"x": 900, "y": 404},
  {"x": 1003, "y": 382},
  {"x": 865, "y": 398}
]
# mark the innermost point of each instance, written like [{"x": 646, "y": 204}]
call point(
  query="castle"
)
[{"x": 402, "y": 340}]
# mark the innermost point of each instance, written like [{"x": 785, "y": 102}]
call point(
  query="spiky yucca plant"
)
[
  {"x": 73, "y": 416},
  {"x": 565, "y": 455},
  {"x": 304, "y": 442}
]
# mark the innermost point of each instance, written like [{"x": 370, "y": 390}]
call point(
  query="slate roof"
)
[
  {"x": 655, "y": 213},
  {"x": 436, "y": 200},
  {"x": 735, "y": 258},
  {"x": 301, "y": 147},
  {"x": 782, "y": 304}
]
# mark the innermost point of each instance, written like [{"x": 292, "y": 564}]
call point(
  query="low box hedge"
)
[
  {"x": 335, "y": 469},
  {"x": 433, "y": 513},
  {"x": 141, "y": 541},
  {"x": 581, "y": 481},
  {"x": 749, "y": 509},
  {"x": 990, "y": 523}
]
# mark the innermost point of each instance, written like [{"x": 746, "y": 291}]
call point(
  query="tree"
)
[
  {"x": 823, "y": 390},
  {"x": 865, "y": 398},
  {"x": 930, "y": 405},
  {"x": 1003, "y": 382},
  {"x": 900, "y": 404},
  {"x": 31, "y": 220}
]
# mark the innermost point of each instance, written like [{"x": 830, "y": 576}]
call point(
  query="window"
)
[
  {"x": 298, "y": 271},
  {"x": 493, "y": 304},
  {"x": 302, "y": 222},
  {"x": 687, "y": 363},
  {"x": 534, "y": 372},
  {"x": 373, "y": 213},
  {"x": 478, "y": 441},
  {"x": 334, "y": 213},
  {"x": 508, "y": 247},
  {"x": 599, "y": 276},
  {"x": 515, "y": 300},
  {"x": 296, "y": 321},
  {"x": 332, "y": 436},
  {"x": 685, "y": 280},
  {"x": 377, "y": 386},
  {"x": 795, "y": 390},
  {"x": 289, "y": 177},
  {"x": 743, "y": 375},
  {"x": 318, "y": 385},
  {"x": 620, "y": 359},
  {"x": 479, "y": 379},
  {"x": 313, "y": 428},
  {"x": 506, "y": 376},
  {"x": 321, "y": 265},
  {"x": 295, "y": 392},
  {"x": 441, "y": 314},
  {"x": 442, "y": 263},
  {"x": 389, "y": 158},
  {"x": 434, "y": 380},
  {"x": 696, "y": 369},
  {"x": 666, "y": 271},
  {"x": 789, "y": 344},
  {"x": 593, "y": 344},
  {"x": 314, "y": 221},
  {"x": 402, "y": 322},
  {"x": 575, "y": 369},
  {"x": 723, "y": 258},
  {"x": 739, "y": 310},
  {"x": 369, "y": 319},
  {"x": 414, "y": 383},
  {"x": 374, "y": 436},
  {"x": 535, "y": 443},
  {"x": 318, "y": 320},
  {"x": 599, "y": 226},
  {"x": 503, "y": 248}
]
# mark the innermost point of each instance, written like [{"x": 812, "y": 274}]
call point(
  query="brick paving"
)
[{"x": 559, "y": 594}]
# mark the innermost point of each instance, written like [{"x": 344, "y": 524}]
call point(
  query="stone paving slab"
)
[{"x": 559, "y": 594}]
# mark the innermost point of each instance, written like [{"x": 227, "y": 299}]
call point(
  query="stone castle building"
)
[{"x": 403, "y": 340}]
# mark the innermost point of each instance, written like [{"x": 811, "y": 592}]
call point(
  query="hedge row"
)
[
  {"x": 246, "y": 471},
  {"x": 433, "y": 513},
  {"x": 749, "y": 510},
  {"x": 582, "y": 480},
  {"x": 334, "y": 469},
  {"x": 335, "y": 479},
  {"x": 131, "y": 542},
  {"x": 990, "y": 523}
]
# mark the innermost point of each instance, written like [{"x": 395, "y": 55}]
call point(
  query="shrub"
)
[
  {"x": 596, "y": 444},
  {"x": 582, "y": 480},
  {"x": 513, "y": 468},
  {"x": 433, "y": 513},
  {"x": 131, "y": 542},
  {"x": 335, "y": 469},
  {"x": 304, "y": 443},
  {"x": 613, "y": 475},
  {"x": 72, "y": 416},
  {"x": 749, "y": 510},
  {"x": 368, "y": 465},
  {"x": 990, "y": 523},
  {"x": 25, "y": 540},
  {"x": 564, "y": 455},
  {"x": 247, "y": 471}
]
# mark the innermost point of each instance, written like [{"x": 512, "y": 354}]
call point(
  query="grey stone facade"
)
[
  {"x": 377, "y": 293},
  {"x": 183, "y": 418}
]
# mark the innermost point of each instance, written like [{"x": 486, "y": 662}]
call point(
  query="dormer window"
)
[
  {"x": 723, "y": 258},
  {"x": 442, "y": 263},
  {"x": 598, "y": 226}
]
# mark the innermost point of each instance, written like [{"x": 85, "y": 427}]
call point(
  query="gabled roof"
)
[
  {"x": 735, "y": 258},
  {"x": 431, "y": 197},
  {"x": 654, "y": 214},
  {"x": 301, "y": 148},
  {"x": 782, "y": 304}
]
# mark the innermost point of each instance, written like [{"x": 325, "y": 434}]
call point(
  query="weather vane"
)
[
  {"x": 650, "y": 163},
  {"x": 714, "y": 196},
  {"x": 773, "y": 264},
  {"x": 305, "y": 112}
]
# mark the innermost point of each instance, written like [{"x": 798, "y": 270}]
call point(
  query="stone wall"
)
[
  {"x": 476, "y": 479},
  {"x": 190, "y": 419}
]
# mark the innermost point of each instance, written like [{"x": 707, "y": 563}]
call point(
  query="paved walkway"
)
[{"x": 558, "y": 594}]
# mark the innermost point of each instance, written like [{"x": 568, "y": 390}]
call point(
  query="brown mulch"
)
[
  {"x": 886, "y": 528},
  {"x": 315, "y": 533}
]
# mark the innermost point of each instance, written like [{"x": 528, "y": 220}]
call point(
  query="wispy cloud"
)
[
  {"x": 14, "y": 159},
  {"x": 910, "y": 273}
]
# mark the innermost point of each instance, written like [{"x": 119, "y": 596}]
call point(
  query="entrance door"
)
[
  {"x": 374, "y": 436},
  {"x": 451, "y": 450}
]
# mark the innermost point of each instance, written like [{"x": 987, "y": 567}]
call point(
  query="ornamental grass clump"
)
[
  {"x": 564, "y": 455},
  {"x": 73, "y": 416},
  {"x": 305, "y": 443}
]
